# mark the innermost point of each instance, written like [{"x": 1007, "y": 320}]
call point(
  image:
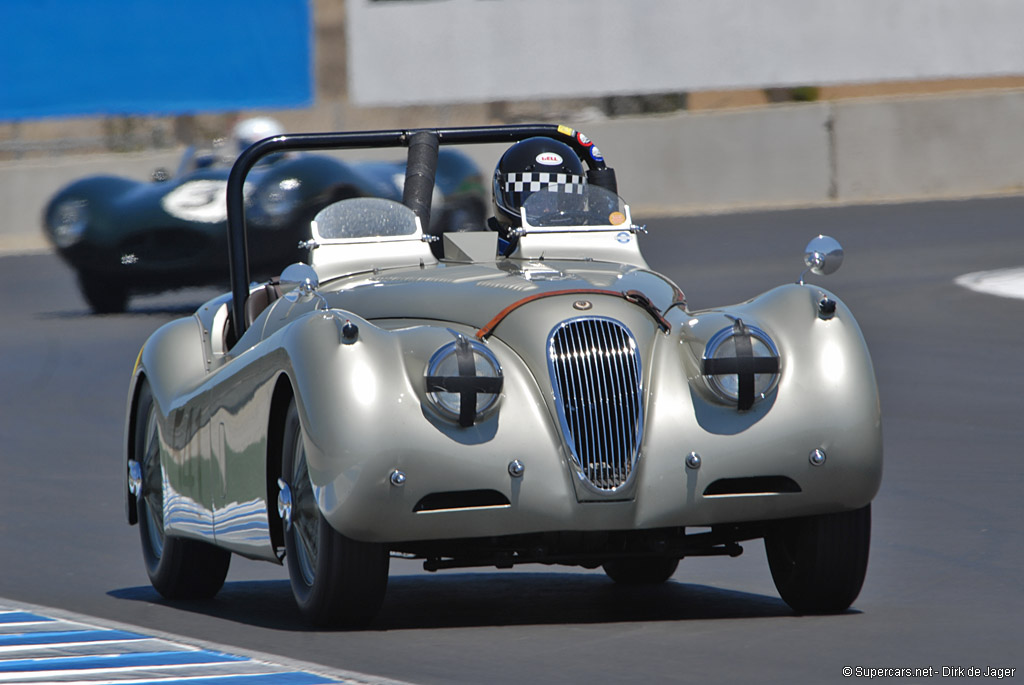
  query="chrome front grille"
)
[{"x": 595, "y": 372}]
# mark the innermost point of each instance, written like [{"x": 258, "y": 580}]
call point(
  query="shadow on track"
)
[
  {"x": 172, "y": 304},
  {"x": 174, "y": 310},
  {"x": 467, "y": 600}
]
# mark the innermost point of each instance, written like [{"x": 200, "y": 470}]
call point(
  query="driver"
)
[
  {"x": 253, "y": 130},
  {"x": 534, "y": 165},
  {"x": 243, "y": 135}
]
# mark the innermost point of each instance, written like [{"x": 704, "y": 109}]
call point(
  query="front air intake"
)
[{"x": 595, "y": 373}]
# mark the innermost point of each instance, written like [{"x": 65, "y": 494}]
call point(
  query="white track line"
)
[{"x": 1000, "y": 282}]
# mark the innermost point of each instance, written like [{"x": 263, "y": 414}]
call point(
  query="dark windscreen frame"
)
[{"x": 420, "y": 168}]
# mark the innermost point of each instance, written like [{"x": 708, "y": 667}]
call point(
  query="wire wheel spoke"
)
[
  {"x": 152, "y": 485},
  {"x": 305, "y": 515}
]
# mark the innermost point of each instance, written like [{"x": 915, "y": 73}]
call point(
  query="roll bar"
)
[{"x": 419, "y": 186}]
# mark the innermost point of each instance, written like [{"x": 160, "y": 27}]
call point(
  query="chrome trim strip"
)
[
  {"x": 739, "y": 495},
  {"x": 450, "y": 510}
]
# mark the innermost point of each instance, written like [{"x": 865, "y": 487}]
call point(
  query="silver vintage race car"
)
[{"x": 536, "y": 395}]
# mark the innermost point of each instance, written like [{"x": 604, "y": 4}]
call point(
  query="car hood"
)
[{"x": 475, "y": 294}]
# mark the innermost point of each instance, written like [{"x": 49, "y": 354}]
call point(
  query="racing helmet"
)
[
  {"x": 253, "y": 130},
  {"x": 532, "y": 165}
]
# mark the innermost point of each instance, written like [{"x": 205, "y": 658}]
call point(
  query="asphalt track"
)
[{"x": 944, "y": 586}]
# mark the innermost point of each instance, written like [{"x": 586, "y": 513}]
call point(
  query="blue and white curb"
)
[{"x": 38, "y": 645}]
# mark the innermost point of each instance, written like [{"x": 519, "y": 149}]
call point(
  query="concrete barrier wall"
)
[
  {"x": 780, "y": 156},
  {"x": 928, "y": 147},
  {"x": 703, "y": 162}
]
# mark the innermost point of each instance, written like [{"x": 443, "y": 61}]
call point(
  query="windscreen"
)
[
  {"x": 365, "y": 218},
  {"x": 557, "y": 205}
]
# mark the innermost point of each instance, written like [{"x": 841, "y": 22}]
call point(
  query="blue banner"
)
[{"x": 152, "y": 57}]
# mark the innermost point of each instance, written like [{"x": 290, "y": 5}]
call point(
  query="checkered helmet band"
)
[{"x": 534, "y": 181}]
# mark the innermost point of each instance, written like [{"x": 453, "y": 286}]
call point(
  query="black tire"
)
[
  {"x": 336, "y": 581},
  {"x": 818, "y": 563},
  {"x": 104, "y": 295},
  {"x": 178, "y": 568},
  {"x": 640, "y": 570}
]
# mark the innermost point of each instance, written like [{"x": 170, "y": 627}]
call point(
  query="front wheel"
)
[
  {"x": 178, "y": 568},
  {"x": 104, "y": 295},
  {"x": 336, "y": 581},
  {"x": 818, "y": 563}
]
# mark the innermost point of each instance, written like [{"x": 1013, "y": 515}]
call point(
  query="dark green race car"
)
[{"x": 125, "y": 237}]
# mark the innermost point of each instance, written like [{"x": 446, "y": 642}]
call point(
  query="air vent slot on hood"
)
[
  {"x": 755, "y": 485},
  {"x": 461, "y": 499}
]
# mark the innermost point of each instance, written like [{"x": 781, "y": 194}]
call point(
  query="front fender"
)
[
  {"x": 826, "y": 398},
  {"x": 365, "y": 414},
  {"x": 96, "y": 197}
]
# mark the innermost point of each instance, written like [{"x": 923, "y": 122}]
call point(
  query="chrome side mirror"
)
[
  {"x": 300, "y": 278},
  {"x": 823, "y": 256}
]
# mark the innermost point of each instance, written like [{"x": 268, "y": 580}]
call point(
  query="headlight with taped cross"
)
[
  {"x": 741, "y": 364},
  {"x": 463, "y": 380}
]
